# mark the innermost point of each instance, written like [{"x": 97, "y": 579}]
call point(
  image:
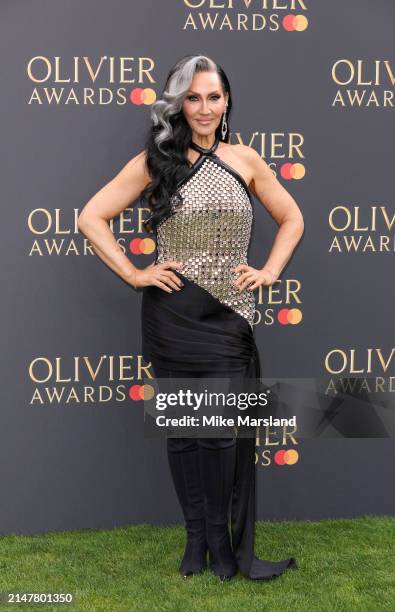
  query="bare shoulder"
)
[
  {"x": 248, "y": 162},
  {"x": 120, "y": 192},
  {"x": 138, "y": 163},
  {"x": 259, "y": 169},
  {"x": 135, "y": 171},
  {"x": 250, "y": 155}
]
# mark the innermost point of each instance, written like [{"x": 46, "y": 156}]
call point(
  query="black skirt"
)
[{"x": 190, "y": 330}]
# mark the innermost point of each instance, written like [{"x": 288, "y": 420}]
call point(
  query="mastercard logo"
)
[
  {"x": 292, "y": 171},
  {"x": 141, "y": 392},
  {"x": 142, "y": 246},
  {"x": 295, "y": 23},
  {"x": 289, "y": 316},
  {"x": 286, "y": 457},
  {"x": 142, "y": 95}
]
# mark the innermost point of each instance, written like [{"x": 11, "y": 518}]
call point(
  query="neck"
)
[{"x": 205, "y": 142}]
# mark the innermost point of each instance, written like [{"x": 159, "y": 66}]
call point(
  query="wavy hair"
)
[{"x": 170, "y": 136}]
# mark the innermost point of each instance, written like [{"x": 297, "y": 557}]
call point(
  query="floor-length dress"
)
[{"x": 208, "y": 324}]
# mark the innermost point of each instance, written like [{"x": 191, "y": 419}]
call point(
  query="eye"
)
[{"x": 214, "y": 97}]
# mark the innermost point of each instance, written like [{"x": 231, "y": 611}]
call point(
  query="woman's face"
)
[{"x": 204, "y": 103}]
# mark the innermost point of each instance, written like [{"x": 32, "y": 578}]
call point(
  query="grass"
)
[{"x": 344, "y": 565}]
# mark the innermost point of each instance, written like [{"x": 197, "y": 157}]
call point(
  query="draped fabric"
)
[{"x": 190, "y": 330}]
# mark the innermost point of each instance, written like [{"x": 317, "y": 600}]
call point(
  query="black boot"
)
[
  {"x": 184, "y": 467},
  {"x": 217, "y": 462}
]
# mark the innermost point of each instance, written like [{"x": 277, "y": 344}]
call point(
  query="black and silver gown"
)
[{"x": 208, "y": 324}]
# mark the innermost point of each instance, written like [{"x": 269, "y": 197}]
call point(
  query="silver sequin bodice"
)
[{"x": 209, "y": 231}]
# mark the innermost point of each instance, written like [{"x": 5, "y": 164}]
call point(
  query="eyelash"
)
[{"x": 215, "y": 97}]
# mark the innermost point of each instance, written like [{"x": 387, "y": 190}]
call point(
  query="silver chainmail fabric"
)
[{"x": 209, "y": 231}]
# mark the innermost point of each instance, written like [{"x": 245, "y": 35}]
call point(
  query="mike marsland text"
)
[{"x": 220, "y": 421}]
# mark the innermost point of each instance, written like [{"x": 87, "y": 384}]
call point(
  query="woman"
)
[{"x": 198, "y": 302}]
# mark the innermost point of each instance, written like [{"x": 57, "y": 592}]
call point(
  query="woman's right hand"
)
[{"x": 159, "y": 275}]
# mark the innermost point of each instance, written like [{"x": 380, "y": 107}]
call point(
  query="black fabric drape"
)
[{"x": 192, "y": 331}]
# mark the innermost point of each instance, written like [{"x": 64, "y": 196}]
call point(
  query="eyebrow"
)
[{"x": 197, "y": 94}]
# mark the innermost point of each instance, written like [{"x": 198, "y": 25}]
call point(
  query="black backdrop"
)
[{"x": 316, "y": 75}]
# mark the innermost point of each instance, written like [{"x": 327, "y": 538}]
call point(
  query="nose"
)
[{"x": 205, "y": 107}]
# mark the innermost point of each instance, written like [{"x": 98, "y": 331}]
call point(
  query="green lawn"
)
[{"x": 344, "y": 565}]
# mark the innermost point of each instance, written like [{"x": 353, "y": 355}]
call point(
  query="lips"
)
[{"x": 204, "y": 121}]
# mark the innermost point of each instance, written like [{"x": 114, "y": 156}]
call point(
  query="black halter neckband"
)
[{"x": 204, "y": 151}]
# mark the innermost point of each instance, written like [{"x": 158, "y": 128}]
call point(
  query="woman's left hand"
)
[{"x": 251, "y": 278}]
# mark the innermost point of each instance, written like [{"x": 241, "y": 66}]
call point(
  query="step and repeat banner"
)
[{"x": 313, "y": 93}]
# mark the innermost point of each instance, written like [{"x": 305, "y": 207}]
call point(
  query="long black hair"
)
[{"x": 170, "y": 135}]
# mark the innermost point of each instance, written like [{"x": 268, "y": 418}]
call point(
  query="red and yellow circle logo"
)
[
  {"x": 141, "y": 392},
  {"x": 290, "y": 171},
  {"x": 295, "y": 23},
  {"x": 289, "y": 316},
  {"x": 142, "y": 95},
  {"x": 142, "y": 246},
  {"x": 286, "y": 457}
]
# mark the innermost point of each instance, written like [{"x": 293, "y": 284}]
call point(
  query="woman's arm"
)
[
  {"x": 284, "y": 210},
  {"x": 108, "y": 203}
]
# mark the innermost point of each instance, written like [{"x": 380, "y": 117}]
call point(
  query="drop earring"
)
[{"x": 224, "y": 126}]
